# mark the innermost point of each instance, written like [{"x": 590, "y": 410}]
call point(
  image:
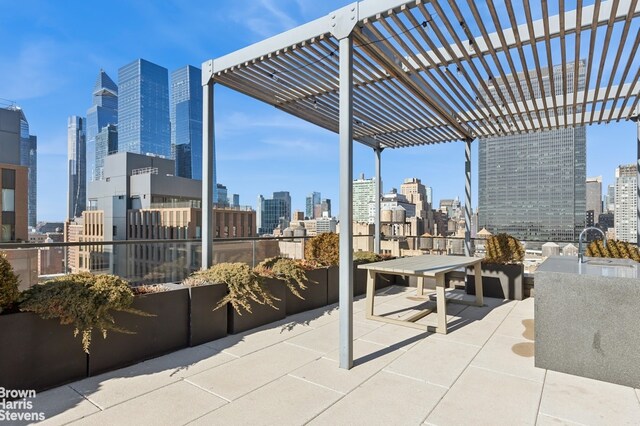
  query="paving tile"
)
[
  {"x": 524, "y": 308},
  {"x": 159, "y": 407},
  {"x": 259, "y": 338},
  {"x": 243, "y": 375},
  {"x": 482, "y": 397},
  {"x": 589, "y": 401},
  {"x": 435, "y": 361},
  {"x": 469, "y": 331},
  {"x": 286, "y": 401},
  {"x": 121, "y": 385},
  {"x": 369, "y": 359},
  {"x": 517, "y": 326},
  {"x": 190, "y": 361},
  {"x": 397, "y": 336},
  {"x": 493, "y": 310},
  {"x": 385, "y": 399},
  {"x": 59, "y": 406},
  {"x": 510, "y": 356},
  {"x": 327, "y": 338},
  {"x": 544, "y": 420}
]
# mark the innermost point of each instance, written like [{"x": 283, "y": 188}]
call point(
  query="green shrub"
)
[
  {"x": 288, "y": 270},
  {"x": 323, "y": 249},
  {"x": 503, "y": 249},
  {"x": 361, "y": 257},
  {"x": 615, "y": 249},
  {"x": 83, "y": 300},
  {"x": 8, "y": 284},
  {"x": 243, "y": 284}
]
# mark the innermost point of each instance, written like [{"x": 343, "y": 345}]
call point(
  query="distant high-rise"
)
[
  {"x": 143, "y": 109},
  {"x": 533, "y": 186},
  {"x": 106, "y": 143},
  {"x": 186, "y": 122},
  {"x": 286, "y": 197},
  {"x": 222, "y": 199},
  {"x": 610, "y": 199},
  {"x": 364, "y": 192},
  {"x": 76, "y": 163},
  {"x": 103, "y": 111},
  {"x": 271, "y": 213},
  {"x": 626, "y": 204},
  {"x": 594, "y": 199},
  {"x": 312, "y": 199},
  {"x": 29, "y": 159}
]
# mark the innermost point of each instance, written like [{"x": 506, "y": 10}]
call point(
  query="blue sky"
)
[{"x": 51, "y": 53}]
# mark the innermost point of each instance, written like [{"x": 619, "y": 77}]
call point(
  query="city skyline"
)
[{"x": 259, "y": 149}]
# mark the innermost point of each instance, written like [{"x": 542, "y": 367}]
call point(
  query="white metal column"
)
[
  {"x": 637, "y": 120},
  {"x": 378, "y": 234},
  {"x": 467, "y": 193},
  {"x": 346, "y": 202},
  {"x": 208, "y": 141}
]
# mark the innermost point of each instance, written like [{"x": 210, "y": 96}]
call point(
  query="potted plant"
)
[
  {"x": 502, "y": 269},
  {"x": 323, "y": 250},
  {"x": 250, "y": 300},
  {"x": 162, "y": 328},
  {"x": 206, "y": 323},
  {"x": 306, "y": 285},
  {"x": 614, "y": 249}
]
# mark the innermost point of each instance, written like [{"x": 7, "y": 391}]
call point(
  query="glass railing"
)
[{"x": 145, "y": 261}]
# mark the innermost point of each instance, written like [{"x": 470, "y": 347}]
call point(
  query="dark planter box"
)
[
  {"x": 165, "y": 332},
  {"x": 360, "y": 280},
  {"x": 499, "y": 281},
  {"x": 333, "y": 284},
  {"x": 38, "y": 354},
  {"x": 315, "y": 295},
  {"x": 207, "y": 324},
  {"x": 260, "y": 314}
]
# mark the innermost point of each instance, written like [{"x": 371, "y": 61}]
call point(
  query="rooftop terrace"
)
[{"x": 482, "y": 372}]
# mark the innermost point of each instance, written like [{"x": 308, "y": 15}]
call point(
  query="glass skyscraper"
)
[
  {"x": 29, "y": 158},
  {"x": 533, "y": 186},
  {"x": 106, "y": 143},
  {"x": 76, "y": 163},
  {"x": 186, "y": 122},
  {"x": 143, "y": 109},
  {"x": 103, "y": 111}
]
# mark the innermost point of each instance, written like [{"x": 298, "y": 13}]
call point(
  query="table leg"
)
[
  {"x": 371, "y": 290},
  {"x": 420, "y": 285},
  {"x": 441, "y": 303},
  {"x": 477, "y": 269}
]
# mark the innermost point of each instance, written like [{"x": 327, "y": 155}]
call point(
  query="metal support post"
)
[
  {"x": 346, "y": 202},
  {"x": 467, "y": 191},
  {"x": 208, "y": 184},
  {"x": 378, "y": 191}
]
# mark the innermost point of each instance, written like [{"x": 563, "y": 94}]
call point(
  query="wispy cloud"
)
[
  {"x": 264, "y": 18},
  {"x": 27, "y": 73}
]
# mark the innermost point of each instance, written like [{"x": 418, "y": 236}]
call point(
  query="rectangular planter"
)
[
  {"x": 205, "y": 323},
  {"x": 260, "y": 314},
  {"x": 499, "y": 281},
  {"x": 165, "y": 332},
  {"x": 38, "y": 354},
  {"x": 360, "y": 280},
  {"x": 333, "y": 284},
  {"x": 315, "y": 295}
]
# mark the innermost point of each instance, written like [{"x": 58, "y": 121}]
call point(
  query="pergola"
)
[{"x": 394, "y": 74}]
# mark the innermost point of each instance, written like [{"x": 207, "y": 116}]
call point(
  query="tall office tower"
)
[
  {"x": 14, "y": 181},
  {"x": 626, "y": 205},
  {"x": 325, "y": 207},
  {"x": 143, "y": 109},
  {"x": 270, "y": 213},
  {"x": 429, "y": 192},
  {"x": 416, "y": 193},
  {"x": 29, "y": 159},
  {"x": 312, "y": 200},
  {"x": 222, "y": 199},
  {"x": 364, "y": 192},
  {"x": 106, "y": 143},
  {"x": 533, "y": 186},
  {"x": 594, "y": 199},
  {"x": 103, "y": 111},
  {"x": 610, "y": 199},
  {"x": 76, "y": 163},
  {"x": 186, "y": 122},
  {"x": 286, "y": 197}
]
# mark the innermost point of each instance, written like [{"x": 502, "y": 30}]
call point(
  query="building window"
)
[{"x": 8, "y": 200}]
